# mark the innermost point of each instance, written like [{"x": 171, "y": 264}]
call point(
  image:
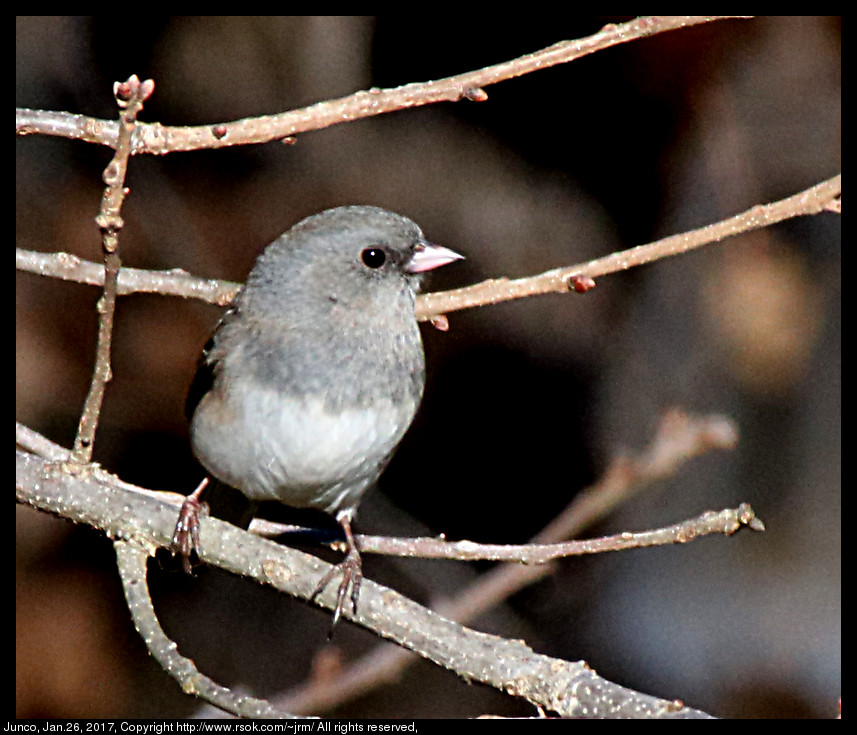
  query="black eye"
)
[{"x": 373, "y": 257}]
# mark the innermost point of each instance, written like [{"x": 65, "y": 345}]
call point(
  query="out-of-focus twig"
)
[{"x": 679, "y": 437}]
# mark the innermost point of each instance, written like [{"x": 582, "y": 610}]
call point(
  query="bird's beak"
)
[{"x": 428, "y": 257}]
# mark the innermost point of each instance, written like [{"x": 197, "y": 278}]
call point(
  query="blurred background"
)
[{"x": 526, "y": 403}]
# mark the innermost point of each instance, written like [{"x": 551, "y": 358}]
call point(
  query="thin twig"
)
[
  {"x": 679, "y": 437},
  {"x": 161, "y": 139},
  {"x": 130, "y": 96},
  {"x": 561, "y": 280},
  {"x": 494, "y": 291},
  {"x": 173, "y": 282},
  {"x": 726, "y": 521}
]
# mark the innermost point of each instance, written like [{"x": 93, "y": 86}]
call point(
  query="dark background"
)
[{"x": 526, "y": 403}]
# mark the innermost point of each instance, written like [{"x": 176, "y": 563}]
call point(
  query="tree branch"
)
[
  {"x": 130, "y": 96},
  {"x": 562, "y": 280},
  {"x": 132, "y": 561},
  {"x": 142, "y": 524},
  {"x": 816, "y": 199},
  {"x": 161, "y": 139},
  {"x": 145, "y": 519},
  {"x": 679, "y": 438},
  {"x": 173, "y": 282}
]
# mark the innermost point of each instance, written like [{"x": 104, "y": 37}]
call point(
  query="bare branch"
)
[
  {"x": 147, "y": 518},
  {"x": 813, "y": 200},
  {"x": 143, "y": 524},
  {"x": 680, "y": 438},
  {"x": 41, "y": 446},
  {"x": 130, "y": 96},
  {"x": 174, "y": 282},
  {"x": 726, "y": 521},
  {"x": 132, "y": 561},
  {"x": 561, "y": 280},
  {"x": 162, "y": 139}
]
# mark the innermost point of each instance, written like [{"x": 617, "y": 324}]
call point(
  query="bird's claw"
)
[
  {"x": 185, "y": 542},
  {"x": 352, "y": 577}
]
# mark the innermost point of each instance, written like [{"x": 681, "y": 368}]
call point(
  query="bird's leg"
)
[
  {"x": 186, "y": 535},
  {"x": 351, "y": 568}
]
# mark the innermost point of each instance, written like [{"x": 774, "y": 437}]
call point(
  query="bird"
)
[{"x": 313, "y": 376}]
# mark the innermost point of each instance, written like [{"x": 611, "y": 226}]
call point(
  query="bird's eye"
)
[{"x": 373, "y": 257}]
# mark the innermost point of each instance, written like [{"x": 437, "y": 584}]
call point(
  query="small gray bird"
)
[{"x": 314, "y": 375}]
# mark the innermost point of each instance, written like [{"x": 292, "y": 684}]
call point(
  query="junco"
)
[{"x": 315, "y": 373}]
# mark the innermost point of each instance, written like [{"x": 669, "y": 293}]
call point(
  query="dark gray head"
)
[
  {"x": 329, "y": 307},
  {"x": 359, "y": 256}
]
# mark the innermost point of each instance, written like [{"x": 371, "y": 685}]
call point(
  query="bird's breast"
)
[{"x": 273, "y": 446}]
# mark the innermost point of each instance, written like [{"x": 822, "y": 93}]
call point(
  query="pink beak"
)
[{"x": 428, "y": 257}]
